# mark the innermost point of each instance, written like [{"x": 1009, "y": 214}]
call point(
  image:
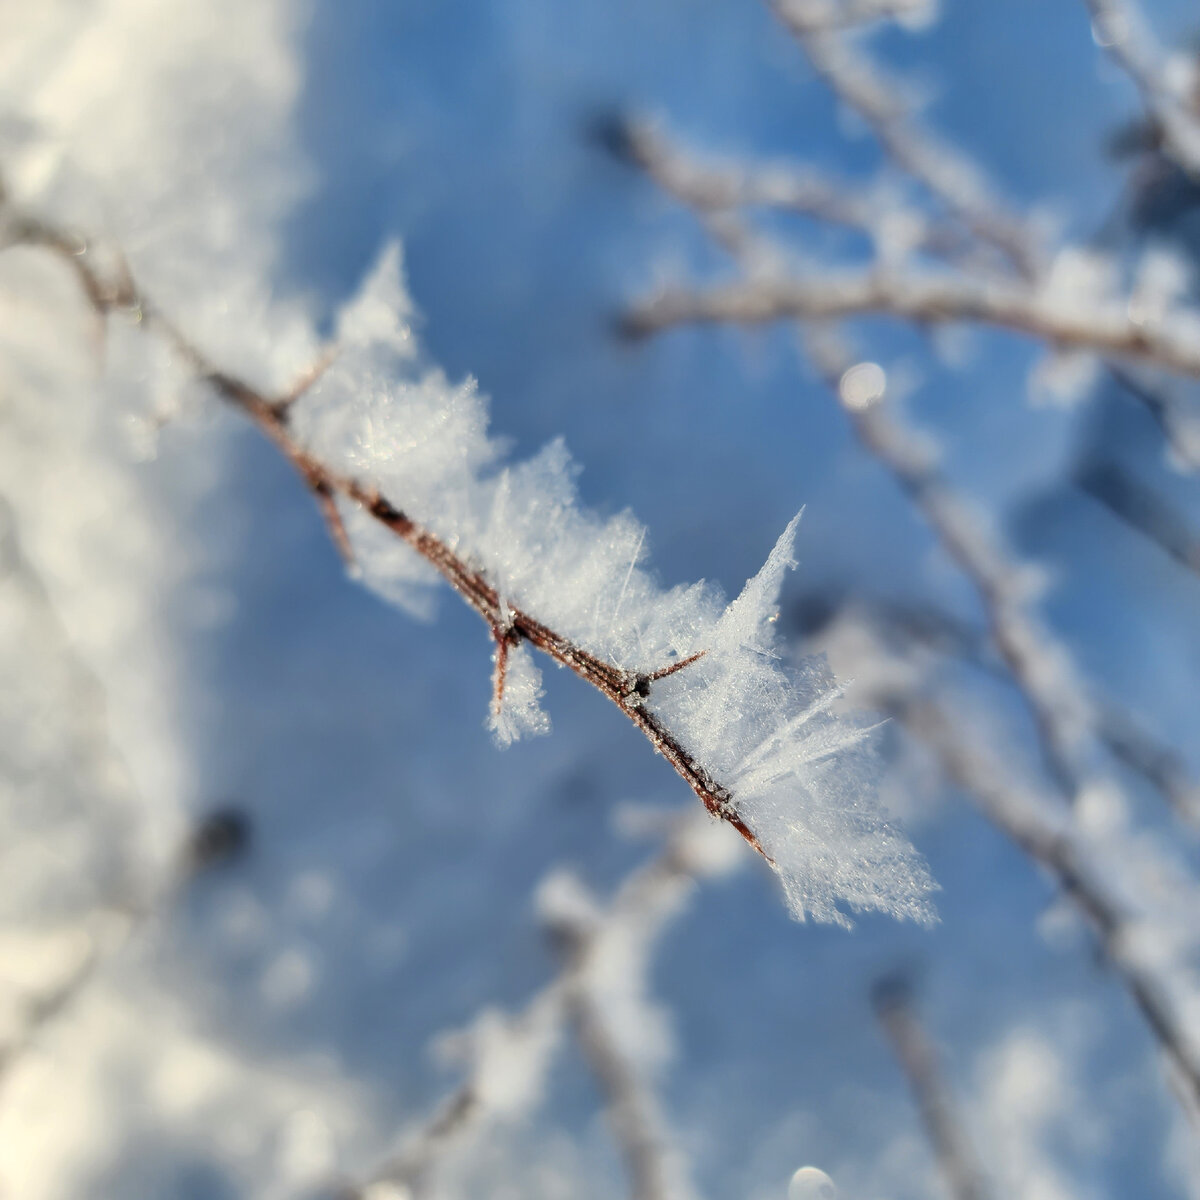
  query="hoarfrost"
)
[
  {"x": 763, "y": 728},
  {"x": 508, "y": 1056},
  {"x": 518, "y": 712}
]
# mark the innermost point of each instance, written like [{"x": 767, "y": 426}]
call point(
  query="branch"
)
[
  {"x": 710, "y": 187},
  {"x": 827, "y": 16},
  {"x": 1065, "y": 719},
  {"x": 950, "y": 177},
  {"x": 1180, "y": 429},
  {"x": 633, "y": 1111},
  {"x": 1125, "y": 737},
  {"x": 642, "y": 907},
  {"x": 218, "y": 837},
  {"x": 1120, "y": 28},
  {"x": 925, "y": 298},
  {"x": 1158, "y": 763},
  {"x": 918, "y": 1059},
  {"x": 1037, "y": 824},
  {"x": 1024, "y": 819},
  {"x": 1140, "y": 507},
  {"x": 1038, "y": 664}
]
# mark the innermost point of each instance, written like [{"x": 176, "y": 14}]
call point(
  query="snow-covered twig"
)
[
  {"x": 656, "y": 1171},
  {"x": 1066, "y": 719},
  {"x": 1039, "y": 665},
  {"x": 1159, "y": 764},
  {"x": 1174, "y": 417},
  {"x": 1121, "y": 30},
  {"x": 825, "y": 16},
  {"x": 915, "y": 1052},
  {"x": 950, "y": 177},
  {"x": 215, "y": 840},
  {"x": 710, "y": 185},
  {"x": 606, "y": 953},
  {"x": 1126, "y": 738},
  {"x": 1108, "y": 329},
  {"x": 1028, "y": 821},
  {"x": 123, "y": 900},
  {"x": 1140, "y": 507},
  {"x": 717, "y": 193},
  {"x": 271, "y": 416}
]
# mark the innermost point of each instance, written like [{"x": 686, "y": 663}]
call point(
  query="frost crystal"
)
[
  {"x": 762, "y": 728},
  {"x": 518, "y": 712}
]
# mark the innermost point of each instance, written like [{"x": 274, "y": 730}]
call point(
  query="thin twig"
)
[
  {"x": 828, "y": 16},
  {"x": 709, "y": 187},
  {"x": 1139, "y": 506},
  {"x": 1126, "y": 738},
  {"x": 925, "y": 298},
  {"x": 663, "y": 672},
  {"x": 216, "y": 839},
  {"x": 1120, "y": 28},
  {"x": 1027, "y": 821},
  {"x": 647, "y": 899},
  {"x": 950, "y": 177},
  {"x": 915, "y": 1052},
  {"x": 1038, "y": 664},
  {"x": 632, "y": 1109},
  {"x": 1165, "y": 409}
]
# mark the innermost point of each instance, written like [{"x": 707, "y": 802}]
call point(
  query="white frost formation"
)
[{"x": 762, "y": 728}]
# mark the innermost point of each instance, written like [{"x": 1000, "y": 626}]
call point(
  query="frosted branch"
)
[
  {"x": 1159, "y": 763},
  {"x": 887, "y": 111},
  {"x": 1027, "y": 820},
  {"x": 1038, "y": 664},
  {"x": 626, "y": 933},
  {"x": 1120, "y": 28},
  {"x": 111, "y": 927},
  {"x": 1177, "y": 420},
  {"x": 915, "y": 1052},
  {"x": 655, "y": 1170},
  {"x": 1141, "y": 508},
  {"x": 271, "y": 416},
  {"x": 926, "y": 298},
  {"x": 711, "y": 186},
  {"x": 825, "y": 16}
]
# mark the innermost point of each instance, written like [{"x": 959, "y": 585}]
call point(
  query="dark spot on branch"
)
[
  {"x": 611, "y": 132},
  {"x": 220, "y": 837}
]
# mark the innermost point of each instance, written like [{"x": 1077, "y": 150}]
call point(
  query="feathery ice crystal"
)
[{"x": 762, "y": 728}]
